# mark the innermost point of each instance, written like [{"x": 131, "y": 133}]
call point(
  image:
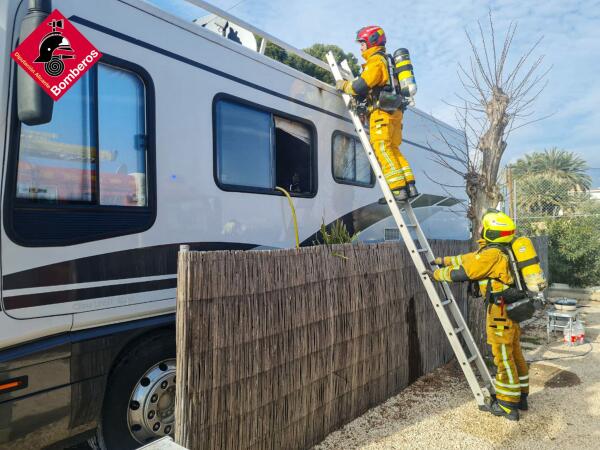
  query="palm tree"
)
[{"x": 556, "y": 165}]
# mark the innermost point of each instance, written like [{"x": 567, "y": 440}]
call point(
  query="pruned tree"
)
[
  {"x": 498, "y": 95},
  {"x": 499, "y": 92}
]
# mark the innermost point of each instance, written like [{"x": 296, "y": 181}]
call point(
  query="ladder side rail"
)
[
  {"x": 263, "y": 34},
  {"x": 457, "y": 347},
  {"x": 454, "y": 308}
]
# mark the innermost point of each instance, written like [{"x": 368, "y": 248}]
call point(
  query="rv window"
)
[
  {"x": 244, "y": 150},
  {"x": 56, "y": 160},
  {"x": 257, "y": 151},
  {"x": 59, "y": 161},
  {"x": 86, "y": 175},
  {"x": 350, "y": 163},
  {"x": 122, "y": 133}
]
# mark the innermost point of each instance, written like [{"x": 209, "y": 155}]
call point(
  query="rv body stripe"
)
[
  {"x": 73, "y": 295},
  {"x": 66, "y": 287},
  {"x": 191, "y": 62},
  {"x": 149, "y": 261}
]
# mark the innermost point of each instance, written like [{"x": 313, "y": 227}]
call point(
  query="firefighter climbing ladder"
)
[{"x": 466, "y": 350}]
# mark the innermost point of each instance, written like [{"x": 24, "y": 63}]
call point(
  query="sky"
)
[{"x": 434, "y": 32}]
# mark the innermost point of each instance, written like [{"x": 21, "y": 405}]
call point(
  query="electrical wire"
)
[{"x": 227, "y": 10}]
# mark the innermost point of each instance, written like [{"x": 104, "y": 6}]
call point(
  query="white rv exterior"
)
[{"x": 89, "y": 275}]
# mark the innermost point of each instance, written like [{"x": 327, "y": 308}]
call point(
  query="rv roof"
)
[{"x": 266, "y": 37}]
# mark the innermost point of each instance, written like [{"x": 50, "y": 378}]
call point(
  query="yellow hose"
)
[{"x": 286, "y": 193}]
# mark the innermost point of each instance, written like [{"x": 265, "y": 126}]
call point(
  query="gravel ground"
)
[{"x": 438, "y": 410}]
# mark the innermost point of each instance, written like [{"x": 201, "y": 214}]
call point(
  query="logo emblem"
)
[
  {"x": 56, "y": 55},
  {"x": 51, "y": 50}
]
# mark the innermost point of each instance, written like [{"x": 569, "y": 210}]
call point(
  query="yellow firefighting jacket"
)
[
  {"x": 375, "y": 73},
  {"x": 484, "y": 264}
]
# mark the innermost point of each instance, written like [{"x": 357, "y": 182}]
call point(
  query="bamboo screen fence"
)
[{"x": 276, "y": 349}]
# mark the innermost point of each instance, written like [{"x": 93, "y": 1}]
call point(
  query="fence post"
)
[{"x": 182, "y": 311}]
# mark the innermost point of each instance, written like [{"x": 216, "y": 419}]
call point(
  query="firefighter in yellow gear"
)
[
  {"x": 385, "y": 127},
  {"x": 490, "y": 267}
]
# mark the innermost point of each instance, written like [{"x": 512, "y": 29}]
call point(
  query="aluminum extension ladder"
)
[{"x": 447, "y": 309}]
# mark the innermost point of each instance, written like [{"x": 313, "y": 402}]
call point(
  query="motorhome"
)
[{"x": 178, "y": 135}]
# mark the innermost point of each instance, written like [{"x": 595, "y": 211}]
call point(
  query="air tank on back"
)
[{"x": 403, "y": 70}]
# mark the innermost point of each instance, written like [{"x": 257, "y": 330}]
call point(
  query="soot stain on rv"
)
[{"x": 414, "y": 348}]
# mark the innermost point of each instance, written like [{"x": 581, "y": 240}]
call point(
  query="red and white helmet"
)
[{"x": 372, "y": 35}]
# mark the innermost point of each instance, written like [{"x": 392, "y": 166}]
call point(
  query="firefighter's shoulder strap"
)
[{"x": 515, "y": 270}]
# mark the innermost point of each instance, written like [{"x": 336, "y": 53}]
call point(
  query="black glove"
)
[{"x": 429, "y": 273}]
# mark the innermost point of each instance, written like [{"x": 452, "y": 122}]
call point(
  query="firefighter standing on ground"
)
[
  {"x": 385, "y": 126},
  {"x": 490, "y": 266}
]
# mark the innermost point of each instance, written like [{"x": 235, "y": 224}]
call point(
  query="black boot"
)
[
  {"x": 401, "y": 195},
  {"x": 523, "y": 403},
  {"x": 412, "y": 190},
  {"x": 505, "y": 409}
]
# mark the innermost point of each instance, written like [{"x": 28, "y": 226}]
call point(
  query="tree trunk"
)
[{"x": 483, "y": 192}]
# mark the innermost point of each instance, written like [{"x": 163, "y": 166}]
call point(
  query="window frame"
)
[
  {"x": 344, "y": 181},
  {"x": 142, "y": 217},
  {"x": 222, "y": 96}
]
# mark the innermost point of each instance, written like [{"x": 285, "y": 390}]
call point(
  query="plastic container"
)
[
  {"x": 565, "y": 304},
  {"x": 576, "y": 335}
]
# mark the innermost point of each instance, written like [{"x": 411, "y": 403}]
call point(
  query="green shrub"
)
[
  {"x": 336, "y": 234},
  {"x": 574, "y": 250}
]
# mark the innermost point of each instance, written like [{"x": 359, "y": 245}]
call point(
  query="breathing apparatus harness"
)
[
  {"x": 388, "y": 98},
  {"x": 516, "y": 299}
]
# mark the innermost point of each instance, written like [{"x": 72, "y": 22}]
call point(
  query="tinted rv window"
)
[
  {"x": 258, "y": 150},
  {"x": 244, "y": 152},
  {"x": 122, "y": 137},
  {"x": 86, "y": 175},
  {"x": 56, "y": 160},
  {"x": 350, "y": 163},
  {"x": 59, "y": 161}
]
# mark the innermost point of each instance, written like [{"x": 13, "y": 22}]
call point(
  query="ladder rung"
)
[
  {"x": 458, "y": 330},
  {"x": 472, "y": 358},
  {"x": 422, "y": 250},
  {"x": 445, "y": 302},
  {"x": 411, "y": 225}
]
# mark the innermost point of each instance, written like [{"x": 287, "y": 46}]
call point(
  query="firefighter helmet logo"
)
[
  {"x": 51, "y": 50},
  {"x": 56, "y": 55}
]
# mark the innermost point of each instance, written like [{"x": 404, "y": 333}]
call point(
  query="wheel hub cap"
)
[{"x": 151, "y": 412}]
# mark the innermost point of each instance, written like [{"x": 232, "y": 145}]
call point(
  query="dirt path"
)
[{"x": 438, "y": 411}]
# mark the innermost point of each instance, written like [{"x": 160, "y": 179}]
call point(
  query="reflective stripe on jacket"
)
[{"x": 485, "y": 263}]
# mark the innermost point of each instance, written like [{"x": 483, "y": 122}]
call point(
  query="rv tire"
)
[{"x": 113, "y": 431}]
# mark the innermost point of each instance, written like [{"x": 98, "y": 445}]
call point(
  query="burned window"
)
[
  {"x": 350, "y": 163},
  {"x": 258, "y": 150}
]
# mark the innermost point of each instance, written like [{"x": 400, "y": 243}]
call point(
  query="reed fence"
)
[{"x": 276, "y": 349}]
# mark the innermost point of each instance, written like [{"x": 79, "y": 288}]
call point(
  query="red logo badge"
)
[{"x": 56, "y": 55}]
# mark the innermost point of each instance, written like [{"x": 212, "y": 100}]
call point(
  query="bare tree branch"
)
[{"x": 496, "y": 100}]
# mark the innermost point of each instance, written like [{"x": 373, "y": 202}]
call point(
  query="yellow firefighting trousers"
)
[
  {"x": 386, "y": 137},
  {"x": 512, "y": 377}
]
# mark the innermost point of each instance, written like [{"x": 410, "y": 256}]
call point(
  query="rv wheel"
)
[{"x": 139, "y": 405}]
